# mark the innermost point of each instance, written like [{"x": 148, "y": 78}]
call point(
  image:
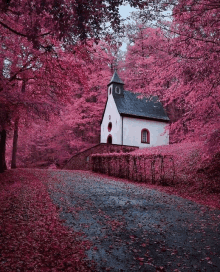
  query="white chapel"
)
[{"x": 131, "y": 121}]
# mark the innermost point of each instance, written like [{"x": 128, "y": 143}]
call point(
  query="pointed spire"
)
[{"x": 116, "y": 79}]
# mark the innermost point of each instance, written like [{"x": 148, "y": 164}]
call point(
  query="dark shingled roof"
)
[
  {"x": 116, "y": 79},
  {"x": 150, "y": 107}
]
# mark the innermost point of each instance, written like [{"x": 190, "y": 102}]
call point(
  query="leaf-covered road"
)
[{"x": 133, "y": 228}]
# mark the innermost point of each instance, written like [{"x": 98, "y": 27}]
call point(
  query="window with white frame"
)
[{"x": 145, "y": 136}]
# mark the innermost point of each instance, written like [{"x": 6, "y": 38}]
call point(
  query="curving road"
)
[{"x": 134, "y": 228}]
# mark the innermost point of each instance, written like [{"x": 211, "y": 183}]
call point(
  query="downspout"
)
[{"x": 122, "y": 132}]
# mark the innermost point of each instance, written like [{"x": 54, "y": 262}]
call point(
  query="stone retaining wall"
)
[{"x": 82, "y": 161}]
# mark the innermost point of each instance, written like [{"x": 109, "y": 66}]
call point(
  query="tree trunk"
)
[
  {"x": 15, "y": 142},
  {"x": 2, "y": 150}
]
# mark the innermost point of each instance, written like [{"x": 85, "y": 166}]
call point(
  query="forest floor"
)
[{"x": 53, "y": 220}]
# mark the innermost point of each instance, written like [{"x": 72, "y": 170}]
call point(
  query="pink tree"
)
[
  {"x": 77, "y": 125},
  {"x": 180, "y": 64},
  {"x": 34, "y": 36}
]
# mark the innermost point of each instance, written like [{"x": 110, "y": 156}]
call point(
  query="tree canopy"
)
[{"x": 179, "y": 61}]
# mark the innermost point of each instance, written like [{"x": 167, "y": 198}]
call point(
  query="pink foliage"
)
[
  {"x": 33, "y": 238},
  {"x": 179, "y": 62},
  {"x": 72, "y": 121},
  {"x": 183, "y": 166},
  {"x": 45, "y": 66}
]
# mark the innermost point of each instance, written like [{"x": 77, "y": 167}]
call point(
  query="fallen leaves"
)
[
  {"x": 35, "y": 238},
  {"x": 32, "y": 236}
]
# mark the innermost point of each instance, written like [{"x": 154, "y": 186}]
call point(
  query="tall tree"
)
[
  {"x": 4, "y": 123},
  {"x": 15, "y": 143},
  {"x": 35, "y": 36},
  {"x": 78, "y": 122},
  {"x": 181, "y": 64}
]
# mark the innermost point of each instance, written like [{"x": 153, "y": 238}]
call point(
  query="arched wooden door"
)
[{"x": 109, "y": 139}]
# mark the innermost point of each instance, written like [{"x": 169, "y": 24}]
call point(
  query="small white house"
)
[{"x": 128, "y": 120}]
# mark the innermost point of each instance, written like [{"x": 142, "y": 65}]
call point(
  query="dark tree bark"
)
[
  {"x": 2, "y": 150},
  {"x": 15, "y": 142}
]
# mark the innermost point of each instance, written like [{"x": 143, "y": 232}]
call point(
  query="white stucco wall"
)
[
  {"x": 116, "y": 132},
  {"x": 132, "y": 132}
]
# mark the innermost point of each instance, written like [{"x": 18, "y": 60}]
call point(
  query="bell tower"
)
[{"x": 116, "y": 86}]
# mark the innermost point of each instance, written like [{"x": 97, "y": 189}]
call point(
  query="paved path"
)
[{"x": 134, "y": 228}]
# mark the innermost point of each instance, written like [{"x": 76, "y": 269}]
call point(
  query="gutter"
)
[{"x": 144, "y": 117}]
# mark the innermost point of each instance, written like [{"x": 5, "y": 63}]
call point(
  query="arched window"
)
[
  {"x": 110, "y": 90},
  {"x": 109, "y": 126},
  {"x": 145, "y": 136},
  {"x": 109, "y": 139},
  {"x": 117, "y": 90}
]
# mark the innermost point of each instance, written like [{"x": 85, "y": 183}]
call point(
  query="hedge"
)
[{"x": 142, "y": 168}]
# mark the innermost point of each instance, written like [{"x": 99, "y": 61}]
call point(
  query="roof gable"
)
[
  {"x": 131, "y": 105},
  {"x": 106, "y": 104}
]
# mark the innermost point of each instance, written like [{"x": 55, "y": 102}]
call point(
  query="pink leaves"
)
[
  {"x": 115, "y": 224},
  {"x": 140, "y": 259},
  {"x": 180, "y": 65},
  {"x": 32, "y": 232}
]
